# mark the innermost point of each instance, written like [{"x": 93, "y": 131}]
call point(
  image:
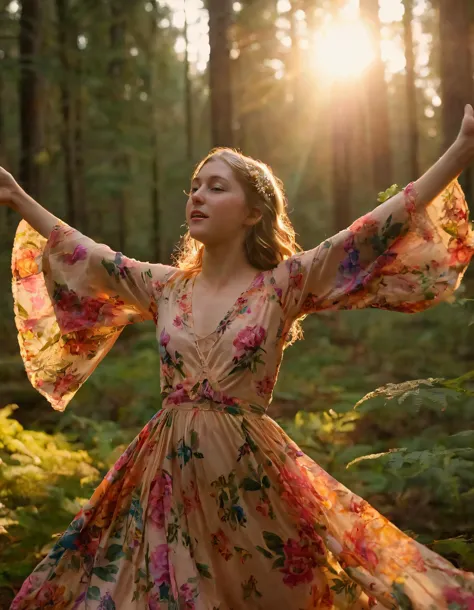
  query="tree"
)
[
  {"x": 31, "y": 96},
  {"x": 456, "y": 74},
  {"x": 411, "y": 89},
  {"x": 220, "y": 21},
  {"x": 377, "y": 102}
]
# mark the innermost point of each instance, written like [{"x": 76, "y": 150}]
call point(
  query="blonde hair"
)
[{"x": 272, "y": 239}]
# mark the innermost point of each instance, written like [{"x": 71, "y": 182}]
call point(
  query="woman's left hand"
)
[{"x": 466, "y": 134}]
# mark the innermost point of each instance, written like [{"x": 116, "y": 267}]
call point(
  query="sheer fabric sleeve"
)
[
  {"x": 397, "y": 257},
  {"x": 72, "y": 298}
]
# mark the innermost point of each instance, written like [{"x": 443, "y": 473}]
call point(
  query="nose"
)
[{"x": 197, "y": 197}]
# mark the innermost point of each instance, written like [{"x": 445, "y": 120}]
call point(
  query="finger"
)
[{"x": 469, "y": 110}]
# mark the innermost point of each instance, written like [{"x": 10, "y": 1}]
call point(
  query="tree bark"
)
[
  {"x": 377, "y": 102},
  {"x": 456, "y": 73},
  {"x": 413, "y": 136},
  {"x": 120, "y": 159},
  {"x": 188, "y": 94},
  {"x": 31, "y": 97},
  {"x": 65, "y": 44},
  {"x": 220, "y": 22}
]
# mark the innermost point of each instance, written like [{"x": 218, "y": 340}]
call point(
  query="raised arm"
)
[
  {"x": 72, "y": 296},
  {"x": 12, "y": 195},
  {"x": 407, "y": 254}
]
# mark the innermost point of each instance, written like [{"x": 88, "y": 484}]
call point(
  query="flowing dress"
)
[{"x": 213, "y": 506}]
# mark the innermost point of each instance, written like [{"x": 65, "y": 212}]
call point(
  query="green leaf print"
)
[
  {"x": 106, "y": 573},
  {"x": 347, "y": 587},
  {"x": 249, "y": 588},
  {"x": 186, "y": 452},
  {"x": 114, "y": 552},
  {"x": 279, "y": 562},
  {"x": 93, "y": 593},
  {"x": 264, "y": 552},
  {"x": 273, "y": 542},
  {"x": 401, "y": 597},
  {"x": 250, "y": 484},
  {"x": 203, "y": 570}
]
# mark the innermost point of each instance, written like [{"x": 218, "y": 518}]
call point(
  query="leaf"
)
[
  {"x": 114, "y": 552},
  {"x": 273, "y": 542},
  {"x": 279, "y": 562},
  {"x": 264, "y": 552},
  {"x": 374, "y": 456},
  {"x": 93, "y": 593},
  {"x": 250, "y": 485},
  {"x": 203, "y": 570},
  {"x": 106, "y": 573}
]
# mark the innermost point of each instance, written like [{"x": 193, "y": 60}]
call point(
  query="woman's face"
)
[{"x": 217, "y": 211}]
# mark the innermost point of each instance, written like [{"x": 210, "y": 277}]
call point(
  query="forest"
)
[{"x": 106, "y": 106}]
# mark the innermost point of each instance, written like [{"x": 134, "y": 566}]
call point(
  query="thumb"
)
[{"x": 468, "y": 109}]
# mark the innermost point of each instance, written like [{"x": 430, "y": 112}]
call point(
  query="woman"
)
[{"x": 212, "y": 506}]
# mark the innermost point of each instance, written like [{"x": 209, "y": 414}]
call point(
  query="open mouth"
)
[{"x": 196, "y": 215}]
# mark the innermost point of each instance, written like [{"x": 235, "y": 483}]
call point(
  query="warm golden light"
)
[{"x": 342, "y": 49}]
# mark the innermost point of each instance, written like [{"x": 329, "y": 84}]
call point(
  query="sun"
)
[{"x": 342, "y": 49}]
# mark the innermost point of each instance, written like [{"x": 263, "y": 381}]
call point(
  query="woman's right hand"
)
[{"x": 9, "y": 188}]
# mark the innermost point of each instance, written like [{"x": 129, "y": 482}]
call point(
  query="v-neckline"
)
[{"x": 227, "y": 315}]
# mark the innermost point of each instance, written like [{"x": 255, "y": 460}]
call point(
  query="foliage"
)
[{"x": 44, "y": 479}]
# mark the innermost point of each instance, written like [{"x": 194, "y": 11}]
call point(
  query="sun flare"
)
[{"x": 342, "y": 49}]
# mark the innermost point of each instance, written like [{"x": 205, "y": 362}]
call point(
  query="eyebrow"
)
[{"x": 213, "y": 177}]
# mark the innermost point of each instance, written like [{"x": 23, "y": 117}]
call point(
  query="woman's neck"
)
[{"x": 224, "y": 262}]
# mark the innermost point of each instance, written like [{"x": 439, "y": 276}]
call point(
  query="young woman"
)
[{"x": 213, "y": 506}]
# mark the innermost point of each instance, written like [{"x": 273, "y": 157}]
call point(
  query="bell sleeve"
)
[
  {"x": 72, "y": 297},
  {"x": 397, "y": 257}
]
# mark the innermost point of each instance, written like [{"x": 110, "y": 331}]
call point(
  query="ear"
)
[{"x": 254, "y": 216}]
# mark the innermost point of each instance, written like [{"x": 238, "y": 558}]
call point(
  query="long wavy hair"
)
[{"x": 267, "y": 243}]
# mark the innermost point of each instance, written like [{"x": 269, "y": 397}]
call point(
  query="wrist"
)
[
  {"x": 463, "y": 152},
  {"x": 19, "y": 199}
]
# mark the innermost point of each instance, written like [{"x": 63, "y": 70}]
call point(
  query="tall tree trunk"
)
[
  {"x": 220, "y": 21},
  {"x": 79, "y": 142},
  {"x": 155, "y": 193},
  {"x": 31, "y": 94},
  {"x": 188, "y": 93},
  {"x": 116, "y": 74},
  {"x": 413, "y": 137},
  {"x": 377, "y": 102},
  {"x": 341, "y": 128},
  {"x": 456, "y": 73},
  {"x": 66, "y": 41}
]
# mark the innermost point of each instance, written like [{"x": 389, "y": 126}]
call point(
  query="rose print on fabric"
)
[
  {"x": 176, "y": 362},
  {"x": 248, "y": 348},
  {"x": 186, "y": 517}
]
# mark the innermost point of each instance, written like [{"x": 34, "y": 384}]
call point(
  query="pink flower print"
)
[
  {"x": 159, "y": 565},
  {"x": 186, "y": 597},
  {"x": 295, "y": 275},
  {"x": 79, "y": 254},
  {"x": 249, "y": 338},
  {"x": 265, "y": 386},
  {"x": 299, "y": 563},
  {"x": 64, "y": 384},
  {"x": 178, "y": 395},
  {"x": 460, "y": 252},
  {"x": 184, "y": 303},
  {"x": 365, "y": 222},
  {"x": 160, "y": 500},
  {"x": 30, "y": 284},
  {"x": 459, "y": 599},
  {"x": 164, "y": 338},
  {"x": 178, "y": 322}
]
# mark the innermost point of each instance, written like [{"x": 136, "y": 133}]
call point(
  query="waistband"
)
[{"x": 240, "y": 408}]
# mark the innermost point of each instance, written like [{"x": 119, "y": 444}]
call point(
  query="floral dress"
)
[{"x": 212, "y": 506}]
